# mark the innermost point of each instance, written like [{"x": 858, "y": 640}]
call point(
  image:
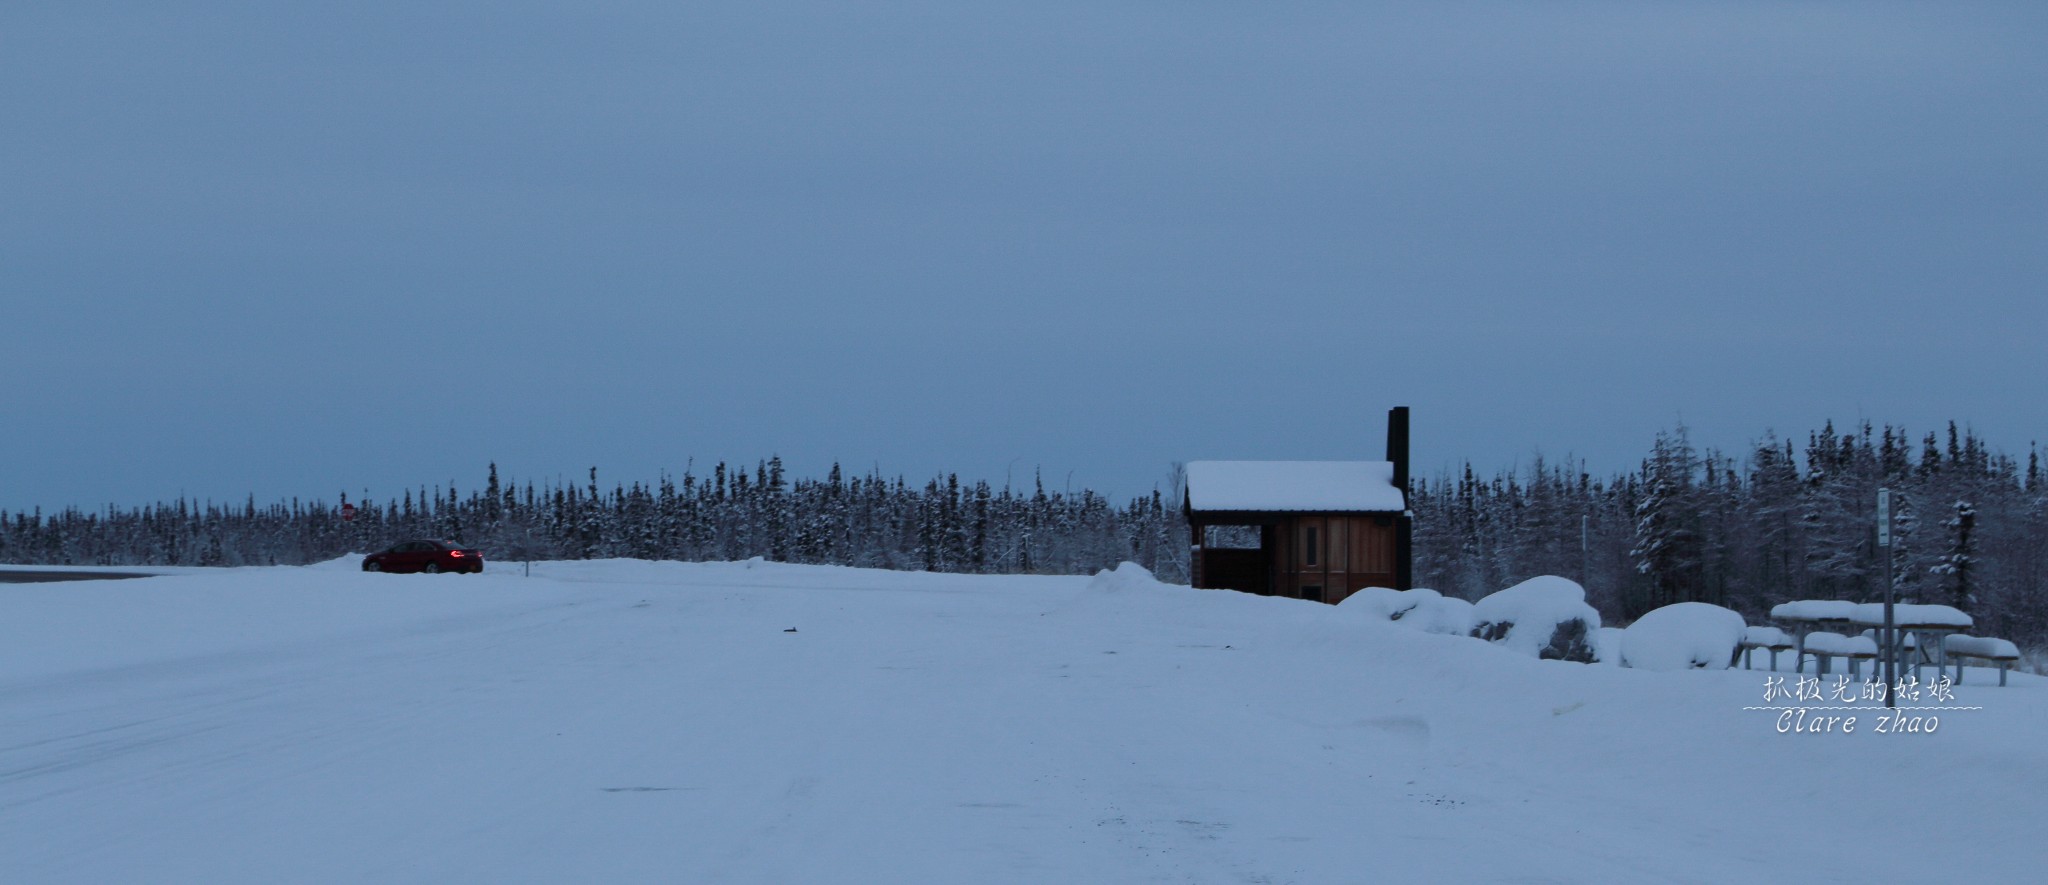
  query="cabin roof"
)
[{"x": 1295, "y": 486}]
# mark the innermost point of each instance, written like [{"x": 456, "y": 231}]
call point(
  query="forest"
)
[{"x": 1746, "y": 530}]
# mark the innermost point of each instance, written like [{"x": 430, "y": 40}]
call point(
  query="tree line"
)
[
  {"x": 732, "y": 514},
  {"x": 1777, "y": 522}
]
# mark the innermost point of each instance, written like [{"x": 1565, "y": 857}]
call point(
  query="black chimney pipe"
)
[
  {"x": 1404, "y": 525},
  {"x": 1397, "y": 446}
]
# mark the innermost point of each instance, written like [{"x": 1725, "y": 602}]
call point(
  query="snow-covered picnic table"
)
[
  {"x": 1996, "y": 652},
  {"x": 1921, "y": 628},
  {"x": 1770, "y": 639}
]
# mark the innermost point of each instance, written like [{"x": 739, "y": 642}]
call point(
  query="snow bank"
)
[
  {"x": 1444, "y": 614},
  {"x": 1683, "y": 636},
  {"x": 1545, "y": 617},
  {"x": 1127, "y": 576},
  {"x": 1383, "y": 602},
  {"x": 1422, "y": 609},
  {"x": 326, "y": 725},
  {"x": 1607, "y": 645}
]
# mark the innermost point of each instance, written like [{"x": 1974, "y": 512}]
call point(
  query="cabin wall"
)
[{"x": 1320, "y": 556}]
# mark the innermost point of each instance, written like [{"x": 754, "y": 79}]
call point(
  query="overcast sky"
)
[{"x": 298, "y": 248}]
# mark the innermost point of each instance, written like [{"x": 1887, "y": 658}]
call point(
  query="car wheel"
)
[
  {"x": 433, "y": 568},
  {"x": 372, "y": 567}
]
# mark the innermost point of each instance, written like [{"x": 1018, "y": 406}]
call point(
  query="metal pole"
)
[
  {"x": 1585, "y": 557},
  {"x": 1890, "y": 635}
]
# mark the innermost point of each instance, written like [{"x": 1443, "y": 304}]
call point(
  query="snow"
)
[
  {"x": 622, "y": 721},
  {"x": 1534, "y": 609},
  {"x": 1384, "y": 603},
  {"x": 1871, "y": 613},
  {"x": 1421, "y": 609},
  {"x": 1904, "y": 615},
  {"x": 1607, "y": 645},
  {"x": 1814, "y": 610},
  {"x": 1125, "y": 578},
  {"x": 1766, "y": 637},
  {"x": 1683, "y": 636},
  {"x": 1294, "y": 486},
  {"x": 1836, "y": 645},
  {"x": 1980, "y": 646}
]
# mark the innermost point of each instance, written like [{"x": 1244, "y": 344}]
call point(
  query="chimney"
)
[
  {"x": 1397, "y": 446},
  {"x": 1404, "y": 527}
]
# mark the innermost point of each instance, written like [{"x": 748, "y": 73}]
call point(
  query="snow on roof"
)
[{"x": 1366, "y": 486}]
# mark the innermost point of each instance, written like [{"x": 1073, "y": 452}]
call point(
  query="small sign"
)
[
  {"x": 1884, "y": 517},
  {"x": 348, "y": 511}
]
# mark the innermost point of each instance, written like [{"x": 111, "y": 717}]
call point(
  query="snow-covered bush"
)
[
  {"x": 1683, "y": 636},
  {"x": 1448, "y": 615},
  {"x": 1382, "y": 602},
  {"x": 1422, "y": 609},
  {"x": 1546, "y": 617}
]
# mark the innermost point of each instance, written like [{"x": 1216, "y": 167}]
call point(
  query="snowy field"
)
[{"x": 656, "y": 722}]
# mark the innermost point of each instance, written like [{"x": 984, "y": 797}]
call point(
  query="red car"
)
[{"x": 432, "y": 557}]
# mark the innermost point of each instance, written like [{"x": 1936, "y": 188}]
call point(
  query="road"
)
[{"x": 31, "y": 576}]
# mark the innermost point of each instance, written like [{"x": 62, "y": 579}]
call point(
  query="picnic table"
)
[
  {"x": 1808, "y": 616},
  {"x": 1926, "y": 625},
  {"x": 1921, "y": 631}
]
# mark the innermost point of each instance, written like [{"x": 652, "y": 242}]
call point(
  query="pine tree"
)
[
  {"x": 1667, "y": 549},
  {"x": 1961, "y": 556}
]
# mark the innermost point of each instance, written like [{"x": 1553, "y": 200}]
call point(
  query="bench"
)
[
  {"x": 1823, "y": 645},
  {"x": 1993, "y": 652},
  {"x": 1770, "y": 639}
]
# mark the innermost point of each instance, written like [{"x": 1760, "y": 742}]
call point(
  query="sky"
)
[{"x": 289, "y": 250}]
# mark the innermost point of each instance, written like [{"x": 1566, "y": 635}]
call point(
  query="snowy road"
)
[{"x": 643, "y": 722}]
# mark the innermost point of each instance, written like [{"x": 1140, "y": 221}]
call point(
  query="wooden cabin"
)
[{"x": 1318, "y": 530}]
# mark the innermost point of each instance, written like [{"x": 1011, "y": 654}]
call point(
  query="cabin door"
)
[{"x": 1320, "y": 558}]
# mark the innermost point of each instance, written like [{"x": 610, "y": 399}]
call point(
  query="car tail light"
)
[{"x": 455, "y": 553}]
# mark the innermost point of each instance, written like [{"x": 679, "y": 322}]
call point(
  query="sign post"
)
[{"x": 1889, "y": 636}]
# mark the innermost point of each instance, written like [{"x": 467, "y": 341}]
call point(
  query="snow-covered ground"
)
[{"x": 656, "y": 722}]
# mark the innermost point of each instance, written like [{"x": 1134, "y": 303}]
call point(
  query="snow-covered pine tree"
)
[
  {"x": 1955, "y": 566},
  {"x": 1667, "y": 549}
]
